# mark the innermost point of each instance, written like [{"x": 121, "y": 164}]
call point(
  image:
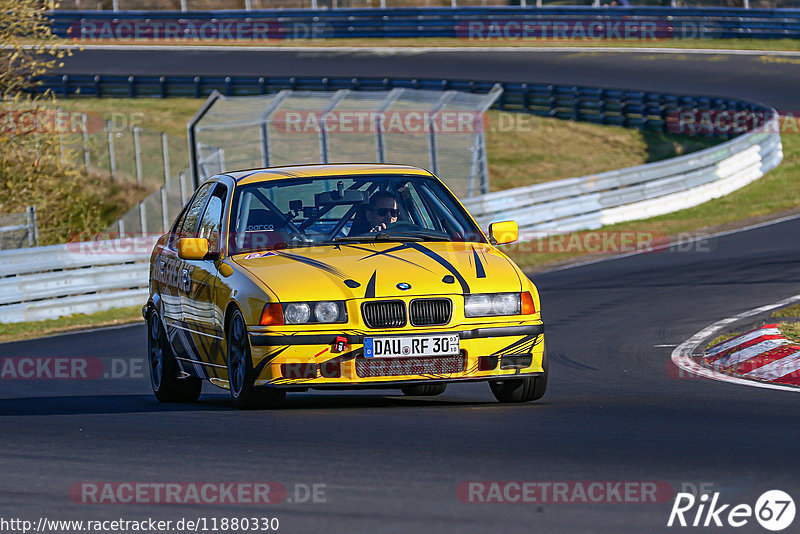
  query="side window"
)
[
  {"x": 193, "y": 213},
  {"x": 212, "y": 218}
]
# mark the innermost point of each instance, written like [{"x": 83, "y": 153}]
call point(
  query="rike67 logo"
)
[{"x": 774, "y": 510}]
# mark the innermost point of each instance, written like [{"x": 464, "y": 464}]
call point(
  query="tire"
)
[
  {"x": 241, "y": 377},
  {"x": 423, "y": 390},
  {"x": 522, "y": 389},
  {"x": 164, "y": 372}
]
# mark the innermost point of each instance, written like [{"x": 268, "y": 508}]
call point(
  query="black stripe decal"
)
[
  {"x": 388, "y": 253},
  {"x": 265, "y": 360},
  {"x": 444, "y": 263},
  {"x": 370, "y": 292},
  {"x": 314, "y": 263},
  {"x": 479, "y": 270}
]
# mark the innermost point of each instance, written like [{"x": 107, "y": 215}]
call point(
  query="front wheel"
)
[
  {"x": 241, "y": 376},
  {"x": 522, "y": 389},
  {"x": 164, "y": 372},
  {"x": 423, "y": 390}
]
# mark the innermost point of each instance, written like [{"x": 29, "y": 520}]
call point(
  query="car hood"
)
[{"x": 379, "y": 270}]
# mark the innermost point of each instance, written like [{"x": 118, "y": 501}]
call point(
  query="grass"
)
[
  {"x": 791, "y": 331},
  {"x": 721, "y": 339},
  {"x": 526, "y": 149},
  {"x": 791, "y": 311},
  {"x": 33, "y": 329},
  {"x": 422, "y": 42}
]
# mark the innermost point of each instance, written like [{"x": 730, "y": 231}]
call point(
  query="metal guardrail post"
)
[
  {"x": 165, "y": 154},
  {"x": 183, "y": 6},
  {"x": 112, "y": 163},
  {"x": 85, "y": 127},
  {"x": 137, "y": 155},
  {"x": 33, "y": 228},
  {"x": 115, "y": 5}
]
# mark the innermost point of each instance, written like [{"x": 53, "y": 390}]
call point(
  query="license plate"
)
[{"x": 411, "y": 346}]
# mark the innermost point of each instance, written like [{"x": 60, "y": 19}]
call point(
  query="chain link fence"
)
[{"x": 442, "y": 131}]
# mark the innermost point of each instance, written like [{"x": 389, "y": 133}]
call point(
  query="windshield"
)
[{"x": 336, "y": 209}]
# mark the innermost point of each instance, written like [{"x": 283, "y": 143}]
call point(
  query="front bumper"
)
[{"x": 487, "y": 351}]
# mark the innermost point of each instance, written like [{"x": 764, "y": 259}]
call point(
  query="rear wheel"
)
[
  {"x": 164, "y": 372},
  {"x": 241, "y": 376},
  {"x": 423, "y": 390},
  {"x": 522, "y": 389}
]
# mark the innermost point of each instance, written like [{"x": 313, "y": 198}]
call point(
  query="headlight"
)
[
  {"x": 326, "y": 312},
  {"x": 296, "y": 313},
  {"x": 314, "y": 312},
  {"x": 483, "y": 305}
]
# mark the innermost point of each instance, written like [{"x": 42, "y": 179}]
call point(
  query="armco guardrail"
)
[
  {"x": 590, "y": 202},
  {"x": 460, "y": 22},
  {"x": 48, "y": 282}
]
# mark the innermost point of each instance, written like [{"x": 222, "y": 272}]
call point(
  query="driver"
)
[{"x": 381, "y": 211}]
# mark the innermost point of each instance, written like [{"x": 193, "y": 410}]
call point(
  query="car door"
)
[
  {"x": 178, "y": 274},
  {"x": 201, "y": 315}
]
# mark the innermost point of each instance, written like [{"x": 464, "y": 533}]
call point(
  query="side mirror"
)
[
  {"x": 192, "y": 248},
  {"x": 504, "y": 232}
]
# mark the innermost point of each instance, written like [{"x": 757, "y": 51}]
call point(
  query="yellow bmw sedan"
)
[{"x": 338, "y": 276}]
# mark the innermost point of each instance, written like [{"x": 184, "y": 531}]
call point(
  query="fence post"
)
[
  {"x": 112, "y": 163},
  {"x": 137, "y": 154},
  {"x": 247, "y": 5},
  {"x": 121, "y": 224},
  {"x": 33, "y": 228},
  {"x": 380, "y": 145},
  {"x": 86, "y": 159},
  {"x": 323, "y": 131},
  {"x": 143, "y": 217},
  {"x": 165, "y": 153},
  {"x": 183, "y": 6},
  {"x": 314, "y": 4},
  {"x": 266, "y": 120},
  {"x": 164, "y": 211},
  {"x": 432, "y": 154},
  {"x": 115, "y": 5},
  {"x": 182, "y": 178}
]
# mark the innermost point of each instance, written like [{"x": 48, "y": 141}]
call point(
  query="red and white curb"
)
[
  {"x": 760, "y": 358},
  {"x": 761, "y": 354}
]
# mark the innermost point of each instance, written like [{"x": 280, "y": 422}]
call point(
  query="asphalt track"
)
[
  {"x": 616, "y": 410},
  {"x": 771, "y": 79}
]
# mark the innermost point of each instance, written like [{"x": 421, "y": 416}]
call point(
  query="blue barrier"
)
[
  {"x": 484, "y": 22},
  {"x": 621, "y": 107}
]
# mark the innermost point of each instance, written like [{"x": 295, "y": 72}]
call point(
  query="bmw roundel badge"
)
[{"x": 403, "y": 286}]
